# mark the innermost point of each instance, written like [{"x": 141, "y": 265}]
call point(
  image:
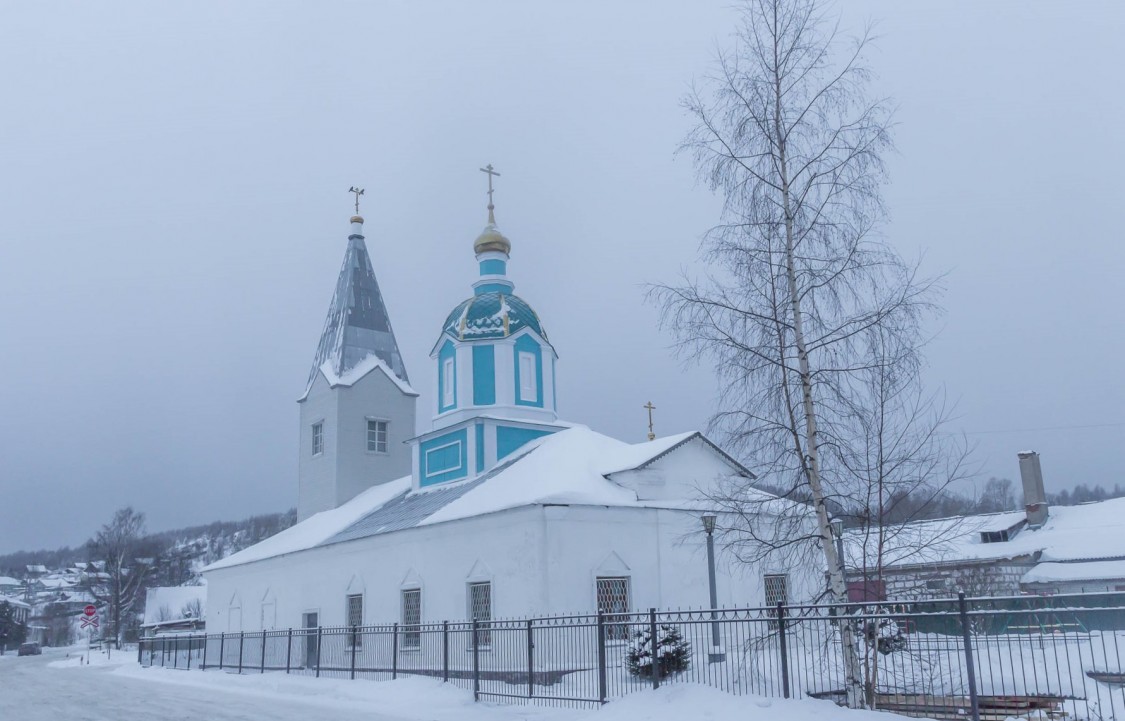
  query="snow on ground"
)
[{"x": 49, "y": 687}]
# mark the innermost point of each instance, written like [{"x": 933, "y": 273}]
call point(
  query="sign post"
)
[{"x": 89, "y": 621}]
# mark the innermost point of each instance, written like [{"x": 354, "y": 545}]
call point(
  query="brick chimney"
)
[{"x": 1034, "y": 497}]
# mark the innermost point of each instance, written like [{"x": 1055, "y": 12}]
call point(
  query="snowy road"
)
[{"x": 32, "y": 691}]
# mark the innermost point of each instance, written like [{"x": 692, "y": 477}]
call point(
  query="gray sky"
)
[{"x": 174, "y": 206}]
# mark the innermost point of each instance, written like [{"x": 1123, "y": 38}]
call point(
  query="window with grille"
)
[
  {"x": 613, "y": 597},
  {"x": 318, "y": 438},
  {"x": 480, "y": 610},
  {"x": 377, "y": 436},
  {"x": 411, "y": 618},
  {"x": 355, "y": 619},
  {"x": 777, "y": 588}
]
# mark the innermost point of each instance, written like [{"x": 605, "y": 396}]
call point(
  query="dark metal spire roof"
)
[{"x": 357, "y": 325}]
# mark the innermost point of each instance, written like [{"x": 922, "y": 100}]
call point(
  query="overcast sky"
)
[{"x": 174, "y": 208}]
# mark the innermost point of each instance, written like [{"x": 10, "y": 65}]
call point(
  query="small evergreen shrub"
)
[
  {"x": 885, "y": 636},
  {"x": 672, "y": 651}
]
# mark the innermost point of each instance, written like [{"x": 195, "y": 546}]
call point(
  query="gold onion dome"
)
[{"x": 491, "y": 238}]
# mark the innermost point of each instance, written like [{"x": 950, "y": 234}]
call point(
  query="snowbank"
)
[{"x": 421, "y": 698}]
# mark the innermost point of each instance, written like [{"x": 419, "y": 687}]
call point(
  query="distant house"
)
[
  {"x": 22, "y": 611},
  {"x": 174, "y": 608},
  {"x": 1039, "y": 550},
  {"x": 10, "y": 586}
]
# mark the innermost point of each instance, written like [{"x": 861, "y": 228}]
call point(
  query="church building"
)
[{"x": 497, "y": 508}]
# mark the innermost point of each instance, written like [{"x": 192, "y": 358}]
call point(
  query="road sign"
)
[
  {"x": 88, "y": 621},
  {"x": 90, "y": 610}
]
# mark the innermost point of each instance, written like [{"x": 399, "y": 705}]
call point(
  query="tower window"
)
[
  {"x": 447, "y": 395},
  {"x": 528, "y": 390},
  {"x": 318, "y": 438},
  {"x": 377, "y": 436}
]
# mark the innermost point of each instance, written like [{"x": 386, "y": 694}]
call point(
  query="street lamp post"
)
[{"x": 716, "y": 655}]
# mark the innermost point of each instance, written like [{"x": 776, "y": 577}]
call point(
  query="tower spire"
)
[
  {"x": 357, "y": 192},
  {"x": 490, "y": 171}
]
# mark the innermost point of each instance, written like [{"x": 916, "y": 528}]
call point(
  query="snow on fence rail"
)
[{"x": 984, "y": 658}]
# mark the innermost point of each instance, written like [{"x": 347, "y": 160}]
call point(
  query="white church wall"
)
[
  {"x": 539, "y": 560},
  {"x": 373, "y": 397}
]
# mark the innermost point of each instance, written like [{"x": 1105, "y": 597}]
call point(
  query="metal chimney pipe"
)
[{"x": 1034, "y": 496}]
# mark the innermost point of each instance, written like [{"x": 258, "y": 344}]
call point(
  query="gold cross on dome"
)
[
  {"x": 488, "y": 169},
  {"x": 358, "y": 192},
  {"x": 650, "y": 408}
]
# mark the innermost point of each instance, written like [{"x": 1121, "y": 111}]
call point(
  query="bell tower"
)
[{"x": 358, "y": 408}]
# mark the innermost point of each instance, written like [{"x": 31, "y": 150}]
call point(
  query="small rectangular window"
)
[
  {"x": 377, "y": 436},
  {"x": 613, "y": 597},
  {"x": 528, "y": 386},
  {"x": 447, "y": 382},
  {"x": 411, "y": 618},
  {"x": 480, "y": 610},
  {"x": 318, "y": 438},
  {"x": 355, "y": 619}
]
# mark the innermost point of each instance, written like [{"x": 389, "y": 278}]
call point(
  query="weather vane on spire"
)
[
  {"x": 489, "y": 170},
  {"x": 650, "y": 408},
  {"x": 358, "y": 192}
]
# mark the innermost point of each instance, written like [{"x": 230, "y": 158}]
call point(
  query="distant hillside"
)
[{"x": 180, "y": 552}]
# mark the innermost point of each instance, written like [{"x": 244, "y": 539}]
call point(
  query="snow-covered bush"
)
[
  {"x": 885, "y": 635},
  {"x": 672, "y": 651}
]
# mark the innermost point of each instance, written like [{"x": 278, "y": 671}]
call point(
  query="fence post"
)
[
  {"x": 176, "y": 652},
  {"x": 476, "y": 660},
  {"x": 394, "y": 654},
  {"x": 190, "y": 645},
  {"x": 289, "y": 650},
  {"x": 355, "y": 644},
  {"x": 241, "y": 643},
  {"x": 222, "y": 648},
  {"x": 970, "y": 670},
  {"x": 262, "y": 668},
  {"x": 445, "y": 651},
  {"x": 530, "y": 662},
  {"x": 203, "y": 661},
  {"x": 163, "y": 650},
  {"x": 655, "y": 644},
  {"x": 784, "y": 650},
  {"x": 318, "y": 651},
  {"x": 140, "y": 648},
  {"x": 601, "y": 658}
]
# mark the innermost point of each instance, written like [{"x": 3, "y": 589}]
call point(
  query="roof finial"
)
[
  {"x": 489, "y": 170},
  {"x": 650, "y": 408},
  {"x": 358, "y": 192}
]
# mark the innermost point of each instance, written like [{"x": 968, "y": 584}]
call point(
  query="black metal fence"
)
[{"x": 985, "y": 658}]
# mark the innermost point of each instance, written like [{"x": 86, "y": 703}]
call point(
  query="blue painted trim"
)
[
  {"x": 445, "y": 458},
  {"x": 510, "y": 439},
  {"x": 493, "y": 266},
  {"x": 554, "y": 387},
  {"x": 480, "y": 447},
  {"x": 497, "y": 287},
  {"x": 484, "y": 375},
  {"x": 448, "y": 351},
  {"x": 527, "y": 344}
]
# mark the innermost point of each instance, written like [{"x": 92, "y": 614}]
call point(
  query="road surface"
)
[{"x": 31, "y": 691}]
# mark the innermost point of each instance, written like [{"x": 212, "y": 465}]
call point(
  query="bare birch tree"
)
[
  {"x": 787, "y": 133},
  {"x": 122, "y": 572}
]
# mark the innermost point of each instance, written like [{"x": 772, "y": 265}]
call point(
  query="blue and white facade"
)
[{"x": 494, "y": 385}]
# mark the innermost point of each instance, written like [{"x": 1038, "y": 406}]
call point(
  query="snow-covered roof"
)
[
  {"x": 13, "y": 601},
  {"x": 1082, "y": 571},
  {"x": 568, "y": 467},
  {"x": 1087, "y": 532},
  {"x": 173, "y": 598},
  {"x": 9, "y": 581}
]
